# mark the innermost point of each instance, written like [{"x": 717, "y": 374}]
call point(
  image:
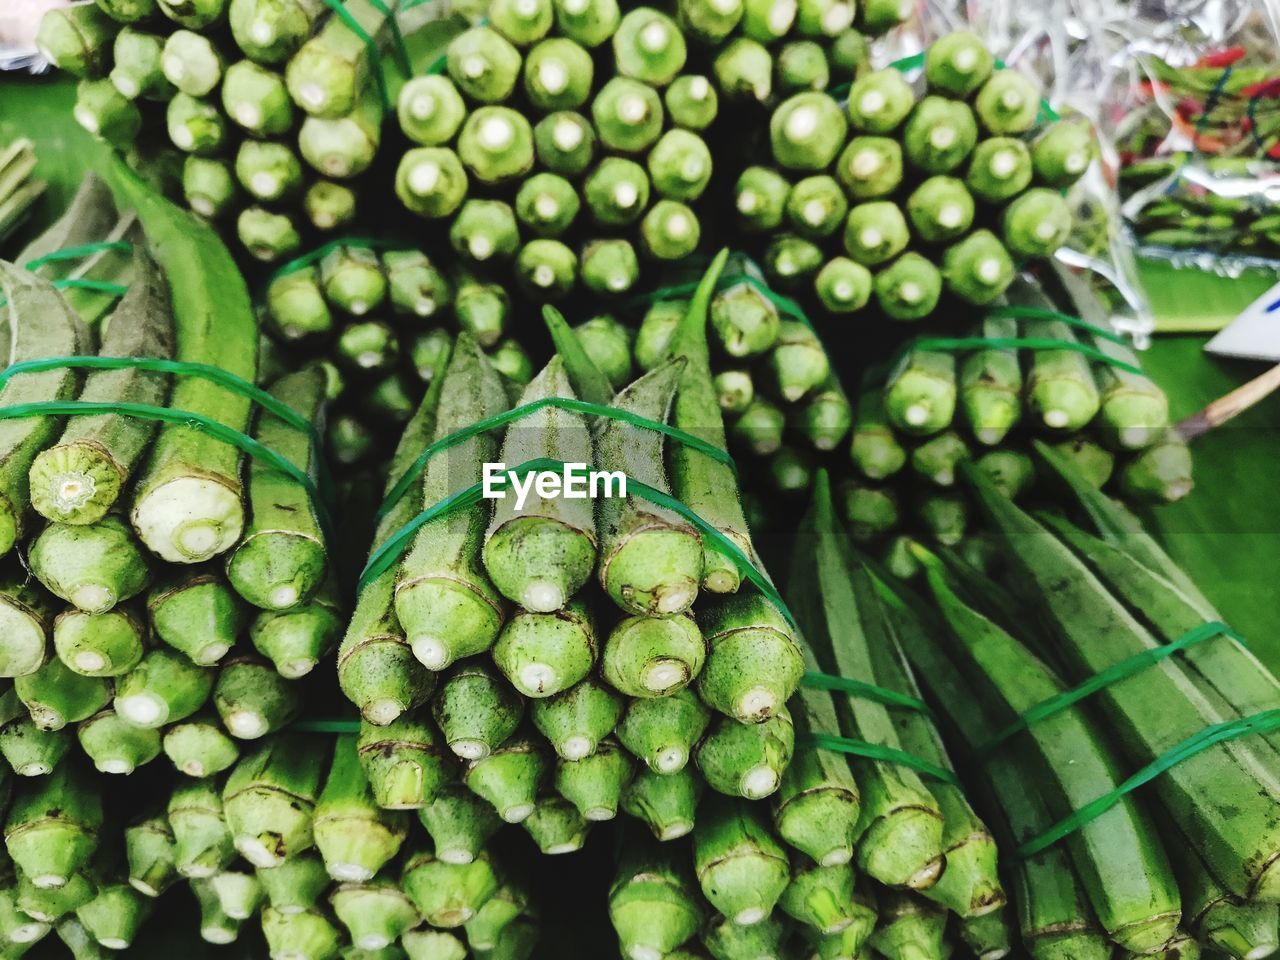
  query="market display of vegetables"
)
[
  {"x": 577, "y": 468},
  {"x": 1200, "y": 145}
]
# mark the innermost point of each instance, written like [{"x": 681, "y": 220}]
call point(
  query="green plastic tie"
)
[
  {"x": 79, "y": 253},
  {"x": 876, "y": 751},
  {"x": 1018, "y": 312},
  {"x": 1122, "y": 670},
  {"x": 386, "y": 555},
  {"x": 320, "y": 252},
  {"x": 1266, "y": 721},
  {"x": 340, "y": 10},
  {"x": 867, "y": 691},
  {"x": 183, "y": 418},
  {"x": 562, "y": 403},
  {"x": 784, "y": 304}
]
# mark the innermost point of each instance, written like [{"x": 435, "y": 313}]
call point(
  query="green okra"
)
[
  {"x": 747, "y": 759},
  {"x": 989, "y": 936},
  {"x": 816, "y": 206},
  {"x": 548, "y": 270},
  {"x": 662, "y": 731},
  {"x": 990, "y": 384},
  {"x": 806, "y": 132},
  {"x": 355, "y": 837},
  {"x": 459, "y": 823},
  {"x": 608, "y": 344},
  {"x": 496, "y": 145},
  {"x": 77, "y": 40},
  {"x": 522, "y": 23},
  {"x": 405, "y": 762},
  {"x": 198, "y": 746},
  {"x": 1134, "y": 411},
  {"x": 874, "y": 447},
  {"x": 740, "y": 865},
  {"x": 327, "y": 73},
  {"x": 627, "y": 115},
  {"x": 44, "y": 326},
  {"x": 269, "y": 798},
  {"x": 726, "y": 940},
  {"x": 1159, "y": 474},
  {"x": 665, "y": 802},
  {"x": 744, "y": 320},
  {"x": 999, "y": 169},
  {"x": 542, "y": 654},
  {"x": 149, "y": 854},
  {"x": 589, "y": 22},
  {"x": 266, "y": 235},
  {"x": 957, "y": 64},
  {"x": 653, "y": 901},
  {"x": 558, "y": 74},
  {"x": 448, "y": 894},
  {"x": 28, "y": 750},
  {"x": 540, "y": 553},
  {"x": 870, "y": 167},
  {"x": 192, "y": 63},
  {"x": 197, "y": 614},
  {"x": 1063, "y": 152},
  {"x": 431, "y": 181},
  {"x": 649, "y": 47},
  {"x": 909, "y": 287},
  {"x": 202, "y": 843},
  {"x": 56, "y": 696},
  {"x": 1010, "y": 471},
  {"x": 492, "y": 921},
  {"x": 509, "y": 777},
  {"x": 1007, "y": 103},
  {"x": 760, "y": 427},
  {"x": 869, "y": 511},
  {"x": 281, "y": 561},
  {"x": 257, "y": 100},
  {"x": 53, "y": 824},
  {"x": 115, "y": 746},
  {"x": 908, "y": 927},
  {"x": 215, "y": 925},
  {"x": 650, "y": 559},
  {"x": 945, "y": 516},
  {"x": 875, "y": 232},
  {"x": 821, "y": 897},
  {"x": 481, "y": 308},
  {"x": 295, "y": 886},
  {"x": 430, "y": 110},
  {"x": 935, "y": 459},
  {"x": 940, "y": 209},
  {"x": 1060, "y": 388},
  {"x": 344, "y": 147},
  {"x": 798, "y": 362},
  {"x": 680, "y": 165},
  {"x": 823, "y": 18},
  {"x": 576, "y": 720},
  {"x": 1036, "y": 223},
  {"x": 547, "y": 204},
  {"x": 94, "y": 566},
  {"x": 297, "y": 306},
  {"x": 111, "y": 117},
  {"x": 309, "y": 933},
  {"x": 670, "y": 231},
  {"x": 52, "y": 905},
  {"x": 595, "y": 783},
  {"x": 475, "y": 709},
  {"x": 920, "y": 394},
  {"x": 252, "y": 699},
  {"x": 653, "y": 656},
  {"x": 735, "y": 390},
  {"x": 376, "y": 914},
  {"x": 195, "y": 125},
  {"x": 843, "y": 286},
  {"x": 744, "y": 70},
  {"x": 209, "y": 186},
  {"x": 565, "y": 143},
  {"x": 443, "y": 600},
  {"x": 880, "y": 101},
  {"x": 427, "y": 944},
  {"x": 137, "y": 69},
  {"x": 270, "y": 31},
  {"x": 760, "y": 198},
  {"x": 269, "y": 172},
  {"x": 616, "y": 192},
  {"x": 802, "y": 65},
  {"x": 691, "y": 102},
  {"x": 296, "y": 640},
  {"x": 655, "y": 333},
  {"x": 26, "y": 622},
  {"x": 902, "y": 824},
  {"x": 753, "y": 662},
  {"x": 939, "y": 135},
  {"x": 609, "y": 266}
]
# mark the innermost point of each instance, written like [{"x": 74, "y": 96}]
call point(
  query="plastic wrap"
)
[{"x": 19, "y": 21}]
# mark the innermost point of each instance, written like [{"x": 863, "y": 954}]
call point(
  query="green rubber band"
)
[
  {"x": 1017, "y": 312},
  {"x": 319, "y": 253},
  {"x": 375, "y": 55},
  {"x": 961, "y": 344},
  {"x": 562, "y": 403},
  {"x": 393, "y": 548},
  {"x": 875, "y": 751},
  {"x": 99, "y": 286},
  {"x": 1266, "y": 721},
  {"x": 325, "y": 726},
  {"x": 1122, "y": 670},
  {"x": 204, "y": 371},
  {"x": 867, "y": 691},
  {"x": 79, "y": 253},
  {"x": 675, "y": 291},
  {"x": 219, "y": 431},
  {"x": 398, "y": 47}
]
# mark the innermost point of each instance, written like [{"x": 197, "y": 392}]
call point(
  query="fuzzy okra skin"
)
[
  {"x": 376, "y": 667},
  {"x": 163, "y": 688},
  {"x": 44, "y": 326},
  {"x": 874, "y": 447},
  {"x": 199, "y": 747},
  {"x": 509, "y": 778},
  {"x": 28, "y": 750},
  {"x": 252, "y": 699},
  {"x": 197, "y": 614},
  {"x": 149, "y": 853},
  {"x": 115, "y": 746},
  {"x": 1060, "y": 388},
  {"x": 666, "y": 802},
  {"x": 902, "y": 824},
  {"x": 375, "y": 913},
  {"x": 53, "y": 826},
  {"x": 326, "y": 74},
  {"x": 445, "y": 602},
  {"x": 404, "y": 760},
  {"x": 281, "y": 560},
  {"x": 355, "y": 837},
  {"x": 653, "y": 656},
  {"x": 26, "y": 621},
  {"x": 634, "y": 533},
  {"x": 653, "y": 900},
  {"x": 1153, "y": 711},
  {"x": 459, "y": 823},
  {"x": 540, "y": 555},
  {"x": 202, "y": 843},
  {"x": 545, "y": 653},
  {"x": 448, "y": 894},
  {"x": 753, "y": 663},
  {"x": 920, "y": 394},
  {"x": 1117, "y": 855},
  {"x": 740, "y": 865},
  {"x": 270, "y": 797},
  {"x": 296, "y": 640},
  {"x": 186, "y": 503},
  {"x": 747, "y": 759},
  {"x": 662, "y": 731},
  {"x": 475, "y": 709},
  {"x": 55, "y": 695},
  {"x": 990, "y": 384},
  {"x": 576, "y": 720},
  {"x": 81, "y": 477},
  {"x": 556, "y": 826},
  {"x": 94, "y": 567}
]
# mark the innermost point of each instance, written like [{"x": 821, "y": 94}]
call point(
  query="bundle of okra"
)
[
  {"x": 378, "y": 322},
  {"x": 289, "y": 841},
  {"x": 19, "y": 189},
  {"x": 1121, "y": 737}
]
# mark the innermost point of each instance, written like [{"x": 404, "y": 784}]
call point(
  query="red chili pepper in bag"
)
[
  {"x": 1267, "y": 88},
  {"x": 1221, "y": 58},
  {"x": 1274, "y": 152}
]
